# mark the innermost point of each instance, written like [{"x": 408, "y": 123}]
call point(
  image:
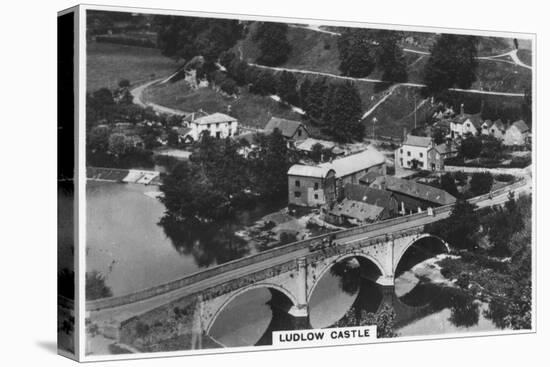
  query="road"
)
[
  {"x": 137, "y": 98},
  {"x": 125, "y": 311}
]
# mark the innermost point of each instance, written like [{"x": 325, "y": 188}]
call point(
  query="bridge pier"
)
[
  {"x": 300, "y": 317},
  {"x": 388, "y": 292}
]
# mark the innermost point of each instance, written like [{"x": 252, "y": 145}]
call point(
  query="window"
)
[
  {"x": 297, "y": 194},
  {"x": 401, "y": 162},
  {"x": 316, "y": 196},
  {"x": 316, "y": 186},
  {"x": 401, "y": 151},
  {"x": 408, "y": 154},
  {"x": 421, "y": 155},
  {"x": 299, "y": 132},
  {"x": 297, "y": 183}
]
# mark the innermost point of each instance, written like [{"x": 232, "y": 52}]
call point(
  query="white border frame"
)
[{"x": 80, "y": 20}]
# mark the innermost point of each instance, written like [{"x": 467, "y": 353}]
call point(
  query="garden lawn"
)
[
  {"x": 108, "y": 63},
  {"x": 249, "y": 109}
]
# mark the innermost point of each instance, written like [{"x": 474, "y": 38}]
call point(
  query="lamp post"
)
[{"x": 374, "y": 120}]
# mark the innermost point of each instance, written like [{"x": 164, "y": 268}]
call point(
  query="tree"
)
[
  {"x": 481, "y": 183},
  {"x": 447, "y": 183},
  {"x": 96, "y": 287},
  {"x": 272, "y": 42},
  {"x": 356, "y": 56},
  {"x": 452, "y": 63},
  {"x": 187, "y": 37},
  {"x": 98, "y": 139},
  {"x": 343, "y": 113},
  {"x": 119, "y": 145},
  {"x": 286, "y": 88},
  {"x": 270, "y": 166},
  {"x": 471, "y": 147},
  {"x": 389, "y": 56},
  {"x": 265, "y": 83},
  {"x": 305, "y": 88},
  {"x": 461, "y": 228},
  {"x": 491, "y": 147},
  {"x": 383, "y": 319},
  {"x": 438, "y": 135},
  {"x": 314, "y": 104}
]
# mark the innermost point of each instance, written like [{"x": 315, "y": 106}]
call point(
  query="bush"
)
[
  {"x": 503, "y": 177},
  {"x": 481, "y": 183},
  {"x": 460, "y": 177},
  {"x": 520, "y": 162}
]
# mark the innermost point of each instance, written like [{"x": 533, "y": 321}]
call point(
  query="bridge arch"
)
[
  {"x": 400, "y": 251},
  {"x": 355, "y": 254},
  {"x": 270, "y": 286}
]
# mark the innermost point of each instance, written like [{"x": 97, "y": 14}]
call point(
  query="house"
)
[
  {"x": 291, "y": 130},
  {"x": 485, "y": 127},
  {"x": 412, "y": 196},
  {"x": 449, "y": 149},
  {"x": 351, "y": 168},
  {"x": 497, "y": 129},
  {"x": 310, "y": 186},
  {"x": 353, "y": 212},
  {"x": 516, "y": 134},
  {"x": 380, "y": 198},
  {"x": 413, "y": 153},
  {"x": 219, "y": 125},
  {"x": 465, "y": 124},
  {"x": 308, "y": 144}
]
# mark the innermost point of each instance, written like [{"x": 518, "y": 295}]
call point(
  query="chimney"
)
[
  {"x": 462, "y": 108},
  {"x": 404, "y": 133}
]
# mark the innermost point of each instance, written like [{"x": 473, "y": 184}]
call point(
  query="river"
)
[{"x": 126, "y": 244}]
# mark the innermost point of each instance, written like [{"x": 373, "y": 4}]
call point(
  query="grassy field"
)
[
  {"x": 397, "y": 113},
  {"x": 250, "y": 109},
  {"x": 525, "y": 56},
  {"x": 108, "y": 63}
]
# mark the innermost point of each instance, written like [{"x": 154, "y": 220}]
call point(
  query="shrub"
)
[
  {"x": 503, "y": 177},
  {"x": 481, "y": 183}
]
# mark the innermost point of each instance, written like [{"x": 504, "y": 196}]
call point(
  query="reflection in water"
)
[
  {"x": 208, "y": 244},
  {"x": 251, "y": 317}
]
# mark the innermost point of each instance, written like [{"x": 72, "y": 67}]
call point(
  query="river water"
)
[{"x": 126, "y": 244}]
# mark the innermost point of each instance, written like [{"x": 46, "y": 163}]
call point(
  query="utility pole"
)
[
  {"x": 415, "y": 111},
  {"x": 374, "y": 119}
]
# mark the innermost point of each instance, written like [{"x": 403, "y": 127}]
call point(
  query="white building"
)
[
  {"x": 516, "y": 134},
  {"x": 413, "y": 153},
  {"x": 218, "y": 124}
]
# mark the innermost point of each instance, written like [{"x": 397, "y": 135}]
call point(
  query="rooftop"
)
[
  {"x": 475, "y": 119},
  {"x": 368, "y": 195},
  {"x": 417, "y": 190},
  {"x": 308, "y": 144},
  {"x": 357, "y": 210},
  {"x": 308, "y": 171},
  {"x": 287, "y": 127},
  {"x": 350, "y": 164},
  {"x": 418, "y": 141},
  {"x": 214, "y": 119},
  {"x": 521, "y": 126}
]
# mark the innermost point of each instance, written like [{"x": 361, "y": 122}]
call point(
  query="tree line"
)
[{"x": 219, "y": 180}]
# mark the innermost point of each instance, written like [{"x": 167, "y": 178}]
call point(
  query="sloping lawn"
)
[
  {"x": 250, "y": 109},
  {"x": 108, "y": 63}
]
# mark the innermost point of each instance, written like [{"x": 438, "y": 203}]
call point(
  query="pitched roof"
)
[
  {"x": 194, "y": 115},
  {"x": 287, "y": 127},
  {"x": 474, "y": 118},
  {"x": 308, "y": 171},
  {"x": 498, "y": 123},
  {"x": 417, "y": 190},
  {"x": 350, "y": 164},
  {"x": 308, "y": 144},
  {"x": 369, "y": 177},
  {"x": 214, "y": 119},
  {"x": 368, "y": 195},
  {"x": 357, "y": 210},
  {"x": 445, "y": 148},
  {"x": 521, "y": 126},
  {"x": 418, "y": 141},
  {"x": 487, "y": 123}
]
